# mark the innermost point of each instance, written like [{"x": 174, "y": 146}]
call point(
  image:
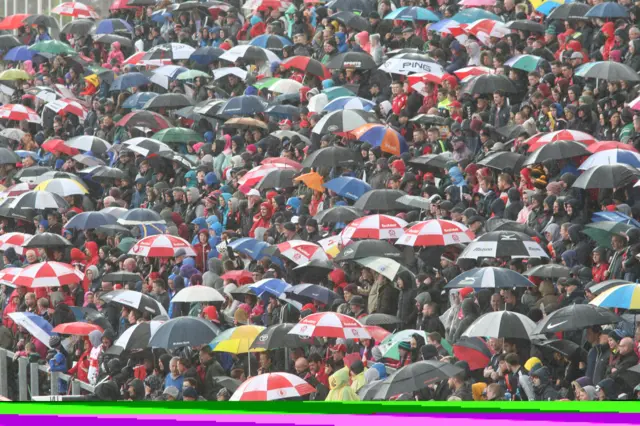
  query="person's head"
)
[
  {"x": 301, "y": 365},
  {"x": 338, "y": 352},
  {"x": 498, "y": 98},
  {"x": 315, "y": 363},
  {"x": 513, "y": 362},
  {"x": 265, "y": 359},
  {"x": 495, "y": 392},
  {"x": 434, "y": 338},
  {"x": 173, "y": 366},
  {"x": 618, "y": 242},
  {"x": 625, "y": 346}
]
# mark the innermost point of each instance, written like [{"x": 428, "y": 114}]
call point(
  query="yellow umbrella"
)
[
  {"x": 14, "y": 74},
  {"x": 237, "y": 340},
  {"x": 93, "y": 80},
  {"x": 62, "y": 187},
  {"x": 313, "y": 180}
]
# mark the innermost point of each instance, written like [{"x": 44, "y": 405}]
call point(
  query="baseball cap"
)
[
  {"x": 253, "y": 192},
  {"x": 576, "y": 55}
]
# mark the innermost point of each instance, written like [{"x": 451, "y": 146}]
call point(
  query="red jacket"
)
[
  {"x": 598, "y": 272},
  {"x": 202, "y": 254},
  {"x": 81, "y": 369}
]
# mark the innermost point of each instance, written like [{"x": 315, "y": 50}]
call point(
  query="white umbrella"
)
[
  {"x": 382, "y": 265},
  {"x": 318, "y": 102},
  {"x": 37, "y": 326},
  {"x": 198, "y": 293},
  {"x": 222, "y": 72},
  {"x": 249, "y": 53},
  {"x": 286, "y": 86}
]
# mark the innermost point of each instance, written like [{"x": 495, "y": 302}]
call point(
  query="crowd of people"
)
[{"x": 454, "y": 181}]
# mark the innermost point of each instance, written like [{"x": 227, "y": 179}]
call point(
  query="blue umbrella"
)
[
  {"x": 160, "y": 16},
  {"x": 37, "y": 326},
  {"x": 24, "y": 154},
  {"x": 206, "y": 55},
  {"x": 349, "y": 102},
  {"x": 269, "y": 287},
  {"x": 132, "y": 79},
  {"x": 612, "y": 156},
  {"x": 250, "y": 246},
  {"x": 607, "y": 10},
  {"x": 271, "y": 42},
  {"x": 90, "y": 220},
  {"x": 110, "y": 26},
  {"x": 18, "y": 53},
  {"x": 149, "y": 229},
  {"x": 473, "y": 14},
  {"x": 78, "y": 313},
  {"x": 243, "y": 105},
  {"x": 283, "y": 111},
  {"x": 348, "y": 187},
  {"x": 413, "y": 14},
  {"x": 442, "y": 25},
  {"x": 138, "y": 100},
  {"x": 614, "y": 217}
]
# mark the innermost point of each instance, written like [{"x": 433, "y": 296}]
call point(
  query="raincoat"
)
[{"x": 339, "y": 387}]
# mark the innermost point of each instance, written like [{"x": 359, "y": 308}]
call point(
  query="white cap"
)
[
  {"x": 294, "y": 219},
  {"x": 253, "y": 192}
]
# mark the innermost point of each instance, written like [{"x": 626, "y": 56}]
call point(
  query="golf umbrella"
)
[
  {"x": 271, "y": 42},
  {"x": 52, "y": 47},
  {"x": 526, "y": 63},
  {"x": 178, "y": 135},
  {"x": 548, "y": 271},
  {"x": 356, "y": 60},
  {"x": 307, "y": 65},
  {"x": 14, "y": 240},
  {"x": 625, "y": 296},
  {"x": 489, "y": 277},
  {"x": 13, "y": 74},
  {"x": 503, "y": 160},
  {"x": 575, "y": 317},
  {"x": 269, "y": 287},
  {"x": 349, "y": 102},
  {"x": 299, "y": 251},
  {"x": 47, "y": 240},
  {"x": 48, "y": 274},
  {"x": 412, "y": 14},
  {"x": 108, "y": 26},
  {"x": 198, "y": 293},
  {"x": 112, "y": 38},
  {"x": 378, "y": 135},
  {"x": 414, "y": 63},
  {"x": 389, "y": 347},
  {"x": 75, "y": 10},
  {"x": 39, "y": 200},
  {"x": 140, "y": 217},
  {"x": 249, "y": 53},
  {"x": 237, "y": 340},
  {"x": 352, "y": 20},
  {"x": 348, "y": 187},
  {"x": 305, "y": 293},
  {"x": 414, "y": 201},
  {"x": 474, "y": 351},
  {"x": 184, "y": 332},
  {"x": 136, "y": 300},
  {"x": 121, "y": 277},
  {"x": 525, "y": 25},
  {"x": 243, "y": 105},
  {"x": 77, "y": 328},
  {"x": 607, "y": 10},
  {"x": 90, "y": 220},
  {"x": 128, "y": 80},
  {"x": 161, "y": 245},
  {"x": 8, "y": 157},
  {"x": 368, "y": 248},
  {"x": 314, "y": 271},
  {"x": 330, "y": 324},
  {"x": 613, "y": 156},
  {"x": 277, "y": 178},
  {"x": 503, "y": 244},
  {"x": 287, "y": 86},
  {"x": 436, "y": 232},
  {"x": 206, "y": 55},
  {"x": 414, "y": 377},
  {"x": 609, "y": 145},
  {"x": 8, "y": 42},
  {"x": 57, "y": 146},
  {"x": 332, "y": 156},
  {"x": 598, "y": 288},
  {"x": 601, "y": 232},
  {"x": 488, "y": 84},
  {"x": 376, "y": 226},
  {"x": 36, "y": 325},
  {"x": 387, "y": 267},
  {"x": 380, "y": 200},
  {"x": 501, "y": 324},
  {"x": 249, "y": 246},
  {"x": 358, "y": 7},
  {"x": 343, "y": 121},
  {"x": 569, "y": 11},
  {"x": 13, "y": 22},
  {"x": 607, "y": 70},
  {"x": 278, "y": 337},
  {"x": 615, "y": 216},
  {"x": 556, "y": 151},
  {"x": 169, "y": 51},
  {"x": 470, "y": 15},
  {"x": 19, "y": 112},
  {"x": 566, "y": 348},
  {"x": 118, "y": 212},
  {"x": 606, "y": 176},
  {"x": 168, "y": 101},
  {"x": 338, "y": 214},
  {"x": 271, "y": 387},
  {"x": 150, "y": 119},
  {"x": 62, "y": 187},
  {"x": 540, "y": 139},
  {"x": 104, "y": 173},
  {"x": 135, "y": 338},
  {"x": 380, "y": 319}
]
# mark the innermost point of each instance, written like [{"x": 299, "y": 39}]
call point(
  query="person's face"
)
[
  {"x": 173, "y": 367},
  {"x": 497, "y": 99},
  {"x": 396, "y": 89},
  {"x": 612, "y": 343},
  {"x": 625, "y": 347},
  {"x": 337, "y": 355},
  {"x": 616, "y": 242}
]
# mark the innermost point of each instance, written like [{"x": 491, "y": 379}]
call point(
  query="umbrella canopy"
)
[
  {"x": 526, "y": 63},
  {"x": 332, "y": 156},
  {"x": 380, "y": 319},
  {"x": 121, "y": 277},
  {"x": 90, "y": 220},
  {"x": 503, "y": 160},
  {"x": 278, "y": 337},
  {"x": 380, "y": 200},
  {"x": 467, "y": 16},
  {"x": 128, "y": 80},
  {"x": 277, "y": 178},
  {"x": 540, "y": 139},
  {"x": 161, "y": 245},
  {"x": 606, "y": 176},
  {"x": 243, "y": 105},
  {"x": 62, "y": 187},
  {"x": 607, "y": 70},
  {"x": 356, "y": 60},
  {"x": 168, "y": 101},
  {"x": 376, "y": 226},
  {"x": 436, "y": 232},
  {"x": 414, "y": 377},
  {"x": 104, "y": 173},
  {"x": 503, "y": 244},
  {"x": 184, "y": 332},
  {"x": 307, "y": 65},
  {"x": 607, "y": 10},
  {"x": 136, "y": 300},
  {"x": 140, "y": 217},
  {"x": 601, "y": 287},
  {"x": 299, "y": 251},
  {"x": 250, "y": 54},
  {"x": 77, "y": 328},
  {"x": 368, "y": 248},
  {"x": 178, "y": 135},
  {"x": 556, "y": 151},
  {"x": 206, "y": 55},
  {"x": 342, "y": 214},
  {"x": 48, "y": 274},
  {"x": 57, "y": 146},
  {"x": 250, "y": 246},
  {"x": 19, "y": 113},
  {"x": 387, "y": 267},
  {"x": 47, "y": 240},
  {"x": 601, "y": 232},
  {"x": 575, "y": 317},
  {"x": 412, "y": 14},
  {"x": 488, "y": 83},
  {"x": 38, "y": 200},
  {"x": 349, "y": 102},
  {"x": 569, "y": 11},
  {"x": 377, "y": 135},
  {"x": 330, "y": 324},
  {"x": 271, "y": 387},
  {"x": 157, "y": 55},
  {"x": 149, "y": 119},
  {"x": 501, "y": 324},
  {"x": 352, "y": 20},
  {"x": 136, "y": 337},
  {"x": 489, "y": 277},
  {"x": 625, "y": 296},
  {"x": 548, "y": 271},
  {"x": 75, "y": 10},
  {"x": 474, "y": 351},
  {"x": 237, "y": 340},
  {"x": 53, "y": 47},
  {"x": 198, "y": 293},
  {"x": 343, "y": 121},
  {"x": 348, "y": 187},
  {"x": 566, "y": 348},
  {"x": 36, "y": 325},
  {"x": 306, "y": 293},
  {"x": 612, "y": 156},
  {"x": 14, "y": 240}
]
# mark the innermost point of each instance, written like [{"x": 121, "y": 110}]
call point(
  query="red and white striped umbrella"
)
[
  {"x": 19, "y": 189},
  {"x": 15, "y": 240},
  {"x": 485, "y": 28},
  {"x": 70, "y": 106},
  {"x": 377, "y": 226},
  {"x": 466, "y": 72},
  {"x": 301, "y": 252},
  {"x": 161, "y": 245},
  {"x": 255, "y": 175},
  {"x": 48, "y": 274},
  {"x": 436, "y": 232},
  {"x": 272, "y": 386},
  {"x": 330, "y": 324},
  {"x": 19, "y": 113},
  {"x": 136, "y": 59},
  {"x": 477, "y": 3},
  {"x": 418, "y": 81},
  {"x": 7, "y": 275},
  {"x": 537, "y": 141},
  {"x": 75, "y": 10}
]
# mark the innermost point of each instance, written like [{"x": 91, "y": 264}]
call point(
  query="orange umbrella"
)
[
  {"x": 13, "y": 22},
  {"x": 313, "y": 180}
]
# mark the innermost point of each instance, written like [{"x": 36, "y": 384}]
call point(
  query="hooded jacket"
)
[
  {"x": 470, "y": 314},
  {"x": 580, "y": 245},
  {"x": 545, "y": 392},
  {"x": 514, "y": 205},
  {"x": 549, "y": 298},
  {"x": 406, "y": 300},
  {"x": 211, "y": 278},
  {"x": 634, "y": 60},
  {"x": 339, "y": 387}
]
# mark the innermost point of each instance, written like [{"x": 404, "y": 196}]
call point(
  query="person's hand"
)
[{"x": 613, "y": 370}]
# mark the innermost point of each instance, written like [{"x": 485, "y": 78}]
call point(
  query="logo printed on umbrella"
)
[
  {"x": 509, "y": 237},
  {"x": 352, "y": 64},
  {"x": 281, "y": 392},
  {"x": 392, "y": 233},
  {"x": 263, "y": 338},
  {"x": 455, "y": 238}
]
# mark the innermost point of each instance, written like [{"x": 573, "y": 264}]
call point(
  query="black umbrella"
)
[
  {"x": 343, "y": 121},
  {"x": 500, "y": 224},
  {"x": 135, "y": 338},
  {"x": 8, "y": 42},
  {"x": 278, "y": 337},
  {"x": 140, "y": 217},
  {"x": 503, "y": 244},
  {"x": 350, "y": 19},
  {"x": 474, "y": 351},
  {"x": 313, "y": 272},
  {"x": 105, "y": 173},
  {"x": 558, "y": 150},
  {"x": 502, "y": 324},
  {"x": 368, "y": 248},
  {"x": 94, "y": 317},
  {"x": 606, "y": 176},
  {"x": 135, "y": 300},
  {"x": 603, "y": 286},
  {"x": 168, "y": 101},
  {"x": 113, "y": 230},
  {"x": 511, "y": 131},
  {"x": 356, "y": 60},
  {"x": 489, "y": 277},
  {"x": 381, "y": 200},
  {"x": 332, "y": 156},
  {"x": 227, "y": 382},
  {"x": 548, "y": 271},
  {"x": 7, "y": 156},
  {"x": 184, "y": 332},
  {"x": 380, "y": 319},
  {"x": 277, "y": 178},
  {"x": 488, "y": 84},
  {"x": 525, "y": 25},
  {"x": 30, "y": 173},
  {"x": 305, "y": 293},
  {"x": 112, "y": 38},
  {"x": 575, "y": 317},
  {"x": 414, "y": 201},
  {"x": 39, "y": 200},
  {"x": 416, "y": 376},
  {"x": 46, "y": 20},
  {"x": 430, "y": 119},
  {"x": 503, "y": 160},
  {"x": 79, "y": 27},
  {"x": 359, "y": 7},
  {"x": 437, "y": 161},
  {"x": 338, "y": 214},
  {"x": 239, "y": 293},
  {"x": 571, "y": 11},
  {"x": 611, "y": 71},
  {"x": 121, "y": 277},
  {"x": 47, "y": 240},
  {"x": 566, "y": 348}
]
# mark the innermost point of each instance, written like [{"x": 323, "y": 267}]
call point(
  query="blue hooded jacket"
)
[
  {"x": 457, "y": 177},
  {"x": 342, "y": 42}
]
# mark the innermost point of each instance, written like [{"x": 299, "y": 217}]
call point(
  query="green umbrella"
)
[
  {"x": 14, "y": 74},
  {"x": 389, "y": 346},
  {"x": 601, "y": 232},
  {"x": 178, "y": 135},
  {"x": 126, "y": 244},
  {"x": 526, "y": 63},
  {"x": 265, "y": 83},
  {"x": 53, "y": 47},
  {"x": 191, "y": 74},
  {"x": 336, "y": 92}
]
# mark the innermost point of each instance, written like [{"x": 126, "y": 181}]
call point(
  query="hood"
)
[
  {"x": 423, "y": 298},
  {"x": 138, "y": 387},
  {"x": 469, "y": 308},
  {"x": 429, "y": 352},
  {"x": 95, "y": 337},
  {"x": 591, "y": 392},
  {"x": 339, "y": 379},
  {"x": 477, "y": 389},
  {"x": 570, "y": 258},
  {"x": 407, "y": 280},
  {"x": 457, "y": 177},
  {"x": 10, "y": 254},
  {"x": 363, "y": 38},
  {"x": 608, "y": 29},
  {"x": 514, "y": 195},
  {"x": 381, "y": 369},
  {"x": 195, "y": 194},
  {"x": 92, "y": 246},
  {"x": 484, "y": 299},
  {"x": 543, "y": 373},
  {"x": 554, "y": 230},
  {"x": 609, "y": 387},
  {"x": 96, "y": 272},
  {"x": 338, "y": 276},
  {"x": 547, "y": 289},
  {"x": 269, "y": 208},
  {"x": 214, "y": 265},
  {"x": 574, "y": 233},
  {"x": 342, "y": 38}
]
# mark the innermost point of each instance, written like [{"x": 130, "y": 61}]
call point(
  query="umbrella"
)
[
  {"x": 149, "y": 119},
  {"x": 525, "y": 25},
  {"x": 607, "y": 10},
  {"x": 271, "y": 387},
  {"x": 250, "y": 246},
  {"x": 104, "y": 173},
  {"x": 243, "y": 105},
  {"x": 607, "y": 70},
  {"x": 237, "y": 340},
  {"x": 47, "y": 274},
  {"x": 343, "y": 121},
  {"x": 368, "y": 248},
  {"x": 474, "y": 351},
  {"x": 135, "y": 338},
  {"x": 501, "y": 324},
  {"x": 412, "y": 14},
  {"x": 184, "y": 332},
  {"x": 14, "y": 74},
  {"x": 112, "y": 38},
  {"x": 77, "y": 328},
  {"x": 39, "y": 200},
  {"x": 597, "y": 288},
  {"x": 380, "y": 200},
  {"x": 290, "y": 135},
  {"x": 488, "y": 84},
  {"x": 53, "y": 47},
  {"x": 332, "y": 156},
  {"x": 286, "y": 86},
  {"x": 612, "y": 156},
  {"x": 566, "y": 348},
  {"x": 376, "y": 226},
  {"x": 13, "y": 22},
  {"x": 349, "y": 102},
  {"x": 169, "y": 51},
  {"x": 414, "y": 377},
  {"x": 299, "y": 251},
  {"x": 178, "y": 135},
  {"x": 128, "y": 80},
  {"x": 269, "y": 287},
  {"x": 239, "y": 276},
  {"x": 359, "y": 7},
  {"x": 526, "y": 63},
  {"x": 556, "y": 151},
  {"x": 206, "y": 55},
  {"x": 548, "y": 271},
  {"x": 305, "y": 293},
  {"x": 245, "y": 122},
  {"x": 625, "y": 296},
  {"x": 575, "y": 317},
  {"x": 438, "y": 161},
  {"x": 192, "y": 74},
  {"x": 378, "y": 135},
  {"x": 569, "y": 11},
  {"x": 19, "y": 112},
  {"x": 108, "y": 26},
  {"x": 121, "y": 277},
  {"x": 312, "y": 180},
  {"x": 140, "y": 217},
  {"x": 422, "y": 66},
  {"x": 57, "y": 146},
  {"x": 62, "y": 187},
  {"x": 314, "y": 271},
  {"x": 503, "y": 160},
  {"x": 387, "y": 267},
  {"x": 609, "y": 145},
  {"x": 118, "y": 212},
  {"x": 606, "y": 176},
  {"x": 470, "y": 15},
  {"x": 136, "y": 300},
  {"x": 307, "y": 65},
  {"x": 283, "y": 111},
  {"x": 348, "y": 187},
  {"x": 8, "y": 42},
  {"x": 36, "y": 325},
  {"x": 278, "y": 337},
  {"x": 614, "y": 216},
  {"x": 271, "y": 42},
  {"x": 47, "y": 240},
  {"x": 14, "y": 240},
  {"x": 8, "y": 157},
  {"x": 352, "y": 20},
  {"x": 601, "y": 232},
  {"x": 250, "y": 54},
  {"x": 436, "y": 232},
  {"x": 489, "y": 277},
  {"x": 161, "y": 245},
  {"x": 330, "y": 324},
  {"x": 277, "y": 178},
  {"x": 90, "y": 220},
  {"x": 380, "y": 320},
  {"x": 503, "y": 244},
  {"x": 75, "y": 10},
  {"x": 168, "y": 101},
  {"x": 356, "y": 60},
  {"x": 338, "y": 214}
]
